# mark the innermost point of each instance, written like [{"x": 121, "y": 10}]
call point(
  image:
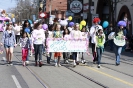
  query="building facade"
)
[{"x": 110, "y": 10}]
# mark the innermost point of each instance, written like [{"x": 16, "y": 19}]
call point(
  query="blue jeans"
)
[
  {"x": 38, "y": 51},
  {"x": 43, "y": 49},
  {"x": 99, "y": 54},
  {"x": 118, "y": 50}
]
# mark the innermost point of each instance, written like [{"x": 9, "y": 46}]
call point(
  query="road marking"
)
[
  {"x": 16, "y": 81},
  {"x": 118, "y": 79}
]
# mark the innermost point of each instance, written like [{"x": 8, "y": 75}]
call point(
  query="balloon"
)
[
  {"x": 45, "y": 26},
  {"x": 122, "y": 23},
  {"x": 70, "y": 18},
  {"x": 83, "y": 22},
  {"x": 80, "y": 26},
  {"x": 30, "y": 21},
  {"x": 27, "y": 30},
  {"x": 71, "y": 24},
  {"x": 105, "y": 24},
  {"x": 63, "y": 22}
]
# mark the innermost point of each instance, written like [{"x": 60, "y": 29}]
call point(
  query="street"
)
[{"x": 82, "y": 76}]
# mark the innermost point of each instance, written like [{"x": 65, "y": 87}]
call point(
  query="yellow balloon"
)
[
  {"x": 83, "y": 22},
  {"x": 70, "y": 18},
  {"x": 80, "y": 26}
]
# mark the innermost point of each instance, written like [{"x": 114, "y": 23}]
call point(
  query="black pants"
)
[
  {"x": 66, "y": 55},
  {"x": 93, "y": 52},
  {"x": 74, "y": 54},
  {"x": 38, "y": 51},
  {"x": 17, "y": 38},
  {"x": 49, "y": 57}
]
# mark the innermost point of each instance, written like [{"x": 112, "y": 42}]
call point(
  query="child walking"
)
[
  {"x": 66, "y": 54},
  {"x": 57, "y": 34},
  {"x": 25, "y": 45},
  {"x": 100, "y": 40}
]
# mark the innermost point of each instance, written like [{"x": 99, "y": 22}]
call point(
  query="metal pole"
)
[{"x": 50, "y": 7}]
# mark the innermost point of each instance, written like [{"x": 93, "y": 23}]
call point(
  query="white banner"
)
[{"x": 71, "y": 45}]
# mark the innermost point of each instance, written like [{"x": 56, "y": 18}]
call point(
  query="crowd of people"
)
[{"x": 34, "y": 38}]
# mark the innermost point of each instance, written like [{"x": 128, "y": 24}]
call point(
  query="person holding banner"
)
[
  {"x": 38, "y": 39},
  {"x": 75, "y": 34},
  {"x": 57, "y": 34},
  {"x": 100, "y": 40},
  {"x": 85, "y": 35},
  {"x": 119, "y": 41},
  {"x": 66, "y": 54},
  {"x": 93, "y": 31}
]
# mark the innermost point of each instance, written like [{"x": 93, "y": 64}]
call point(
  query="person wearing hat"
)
[
  {"x": 119, "y": 40},
  {"x": 93, "y": 31}
]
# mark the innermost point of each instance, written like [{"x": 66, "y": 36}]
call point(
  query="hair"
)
[
  {"x": 7, "y": 25},
  {"x": 36, "y": 25},
  {"x": 75, "y": 25},
  {"x": 85, "y": 29},
  {"x": 23, "y": 34},
  {"x": 26, "y": 21},
  {"x": 62, "y": 27},
  {"x": 56, "y": 26},
  {"x": 65, "y": 32},
  {"x": 98, "y": 32}
]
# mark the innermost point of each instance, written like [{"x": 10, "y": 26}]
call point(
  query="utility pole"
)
[{"x": 89, "y": 14}]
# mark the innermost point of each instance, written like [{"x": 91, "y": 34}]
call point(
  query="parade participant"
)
[
  {"x": 9, "y": 42},
  {"x": 100, "y": 40},
  {"x": 119, "y": 41},
  {"x": 25, "y": 45},
  {"x": 75, "y": 34},
  {"x": 85, "y": 35},
  {"x": 57, "y": 34},
  {"x": 71, "y": 26},
  {"x": 17, "y": 29},
  {"x": 93, "y": 31},
  {"x": 48, "y": 34},
  {"x": 66, "y": 54},
  {"x": 38, "y": 38},
  {"x": 27, "y": 28}
]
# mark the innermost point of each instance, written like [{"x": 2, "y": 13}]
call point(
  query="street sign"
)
[{"x": 76, "y": 6}]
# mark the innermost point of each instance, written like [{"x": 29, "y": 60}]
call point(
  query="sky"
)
[{"x": 6, "y": 4}]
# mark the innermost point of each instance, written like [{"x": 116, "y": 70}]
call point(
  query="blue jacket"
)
[{"x": 8, "y": 39}]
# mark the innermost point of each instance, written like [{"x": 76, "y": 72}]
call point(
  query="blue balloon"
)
[
  {"x": 105, "y": 24},
  {"x": 27, "y": 30},
  {"x": 30, "y": 21}
]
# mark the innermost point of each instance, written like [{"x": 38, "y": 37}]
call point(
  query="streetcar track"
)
[
  {"x": 86, "y": 77},
  {"x": 35, "y": 75}
]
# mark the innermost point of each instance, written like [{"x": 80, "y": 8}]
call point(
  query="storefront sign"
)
[
  {"x": 71, "y": 45},
  {"x": 86, "y": 7},
  {"x": 76, "y": 6}
]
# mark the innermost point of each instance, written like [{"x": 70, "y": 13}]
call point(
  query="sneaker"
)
[
  {"x": 23, "y": 63},
  {"x": 11, "y": 63},
  {"x": 82, "y": 61},
  {"x": 27, "y": 62},
  {"x": 98, "y": 66},
  {"x": 55, "y": 64},
  {"x": 59, "y": 65},
  {"x": 74, "y": 64},
  {"x": 67, "y": 62}
]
